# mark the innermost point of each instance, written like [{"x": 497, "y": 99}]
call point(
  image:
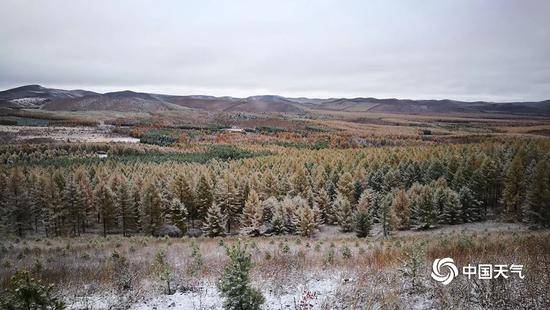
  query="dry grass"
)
[{"x": 84, "y": 266}]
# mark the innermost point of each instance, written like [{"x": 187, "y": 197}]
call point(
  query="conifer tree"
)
[
  {"x": 16, "y": 204},
  {"x": 304, "y": 219},
  {"x": 104, "y": 202},
  {"x": 300, "y": 182},
  {"x": 214, "y": 224},
  {"x": 124, "y": 207},
  {"x": 322, "y": 201},
  {"x": 136, "y": 206},
  {"x": 513, "y": 189},
  {"x": 203, "y": 196},
  {"x": 270, "y": 187},
  {"x": 252, "y": 218},
  {"x": 289, "y": 208},
  {"x": 471, "y": 207},
  {"x": 74, "y": 206},
  {"x": 278, "y": 219},
  {"x": 388, "y": 220},
  {"x": 362, "y": 221},
  {"x": 182, "y": 190},
  {"x": 153, "y": 207},
  {"x": 178, "y": 214},
  {"x": 344, "y": 213},
  {"x": 447, "y": 203},
  {"x": 234, "y": 284},
  {"x": 423, "y": 209},
  {"x": 537, "y": 203},
  {"x": 402, "y": 207},
  {"x": 346, "y": 188}
]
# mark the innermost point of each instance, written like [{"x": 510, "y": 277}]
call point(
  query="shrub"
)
[
  {"x": 26, "y": 292},
  {"x": 234, "y": 284}
]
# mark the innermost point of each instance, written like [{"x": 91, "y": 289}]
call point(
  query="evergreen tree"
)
[
  {"x": 362, "y": 221},
  {"x": 537, "y": 203},
  {"x": 16, "y": 204},
  {"x": 104, "y": 202},
  {"x": 278, "y": 219},
  {"x": 471, "y": 207},
  {"x": 344, "y": 213},
  {"x": 74, "y": 206},
  {"x": 322, "y": 201},
  {"x": 388, "y": 220},
  {"x": 402, "y": 207},
  {"x": 252, "y": 217},
  {"x": 214, "y": 224},
  {"x": 300, "y": 182},
  {"x": 346, "y": 187},
  {"x": 234, "y": 285},
  {"x": 182, "y": 190},
  {"x": 124, "y": 208},
  {"x": 203, "y": 196},
  {"x": 304, "y": 220},
  {"x": 178, "y": 214},
  {"x": 447, "y": 203},
  {"x": 153, "y": 207},
  {"x": 423, "y": 209},
  {"x": 513, "y": 189}
]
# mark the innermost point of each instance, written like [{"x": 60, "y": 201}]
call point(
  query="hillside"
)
[{"x": 38, "y": 97}]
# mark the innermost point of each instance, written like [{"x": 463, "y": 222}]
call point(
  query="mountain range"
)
[{"x": 49, "y": 99}]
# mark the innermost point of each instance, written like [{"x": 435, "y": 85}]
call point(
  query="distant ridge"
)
[{"x": 39, "y": 97}]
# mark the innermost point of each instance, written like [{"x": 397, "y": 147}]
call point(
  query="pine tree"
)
[
  {"x": 182, "y": 190},
  {"x": 74, "y": 206},
  {"x": 289, "y": 208},
  {"x": 16, "y": 205},
  {"x": 178, "y": 214},
  {"x": 300, "y": 183},
  {"x": 346, "y": 187},
  {"x": 447, "y": 203},
  {"x": 214, "y": 224},
  {"x": 537, "y": 203},
  {"x": 304, "y": 220},
  {"x": 203, "y": 196},
  {"x": 252, "y": 218},
  {"x": 322, "y": 200},
  {"x": 278, "y": 219},
  {"x": 471, "y": 207},
  {"x": 153, "y": 207},
  {"x": 124, "y": 210},
  {"x": 4, "y": 207},
  {"x": 362, "y": 221},
  {"x": 270, "y": 187},
  {"x": 87, "y": 192},
  {"x": 234, "y": 284},
  {"x": 388, "y": 219},
  {"x": 136, "y": 207},
  {"x": 402, "y": 207},
  {"x": 104, "y": 202},
  {"x": 423, "y": 209},
  {"x": 513, "y": 189},
  {"x": 344, "y": 213}
]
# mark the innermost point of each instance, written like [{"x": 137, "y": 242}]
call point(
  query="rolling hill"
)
[{"x": 38, "y": 97}]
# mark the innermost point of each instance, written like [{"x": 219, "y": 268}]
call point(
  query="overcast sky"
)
[{"x": 469, "y": 50}]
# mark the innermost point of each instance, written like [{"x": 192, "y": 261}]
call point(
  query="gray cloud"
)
[{"x": 470, "y": 50}]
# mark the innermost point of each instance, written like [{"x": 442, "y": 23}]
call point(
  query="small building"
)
[
  {"x": 101, "y": 154},
  {"x": 234, "y": 129}
]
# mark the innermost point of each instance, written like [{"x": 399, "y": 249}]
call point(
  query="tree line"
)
[{"x": 292, "y": 191}]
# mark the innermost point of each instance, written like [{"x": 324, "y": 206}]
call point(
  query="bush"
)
[
  {"x": 26, "y": 292},
  {"x": 234, "y": 284}
]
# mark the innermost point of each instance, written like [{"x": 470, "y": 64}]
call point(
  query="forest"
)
[{"x": 292, "y": 192}]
